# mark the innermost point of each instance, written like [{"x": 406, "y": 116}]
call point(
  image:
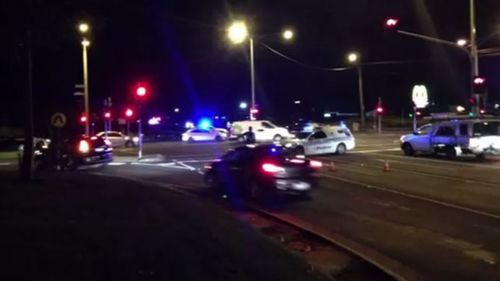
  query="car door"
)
[
  {"x": 463, "y": 135},
  {"x": 232, "y": 170},
  {"x": 116, "y": 139},
  {"x": 265, "y": 132},
  {"x": 421, "y": 141},
  {"x": 444, "y": 136},
  {"x": 316, "y": 143}
]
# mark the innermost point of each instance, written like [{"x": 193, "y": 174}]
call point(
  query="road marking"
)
[
  {"x": 374, "y": 150},
  {"x": 5, "y": 163},
  {"x": 439, "y": 161},
  {"x": 450, "y": 205},
  {"x": 191, "y": 168},
  {"x": 117, "y": 163}
]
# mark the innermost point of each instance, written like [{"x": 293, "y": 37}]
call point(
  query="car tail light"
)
[
  {"x": 316, "y": 164},
  {"x": 83, "y": 146},
  {"x": 272, "y": 168},
  {"x": 298, "y": 161}
]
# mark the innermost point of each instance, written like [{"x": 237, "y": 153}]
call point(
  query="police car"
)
[{"x": 326, "y": 139}]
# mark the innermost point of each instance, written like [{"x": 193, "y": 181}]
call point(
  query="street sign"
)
[
  {"x": 419, "y": 96},
  {"x": 58, "y": 120}
]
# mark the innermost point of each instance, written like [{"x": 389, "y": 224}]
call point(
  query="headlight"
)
[{"x": 135, "y": 139}]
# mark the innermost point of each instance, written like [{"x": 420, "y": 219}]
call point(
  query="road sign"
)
[
  {"x": 58, "y": 120},
  {"x": 420, "y": 96}
]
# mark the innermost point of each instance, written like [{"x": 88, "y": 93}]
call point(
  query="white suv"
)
[{"x": 264, "y": 130}]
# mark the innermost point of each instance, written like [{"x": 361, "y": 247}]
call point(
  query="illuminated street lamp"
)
[
  {"x": 243, "y": 105},
  {"x": 238, "y": 33},
  {"x": 355, "y": 59},
  {"x": 84, "y": 28},
  {"x": 462, "y": 42},
  {"x": 288, "y": 34}
]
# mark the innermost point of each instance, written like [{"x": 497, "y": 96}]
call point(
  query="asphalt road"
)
[{"x": 440, "y": 218}]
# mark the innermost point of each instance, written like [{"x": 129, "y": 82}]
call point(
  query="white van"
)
[{"x": 264, "y": 130}]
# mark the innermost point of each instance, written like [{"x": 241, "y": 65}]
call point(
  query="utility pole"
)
[
  {"x": 473, "y": 51},
  {"x": 27, "y": 160}
]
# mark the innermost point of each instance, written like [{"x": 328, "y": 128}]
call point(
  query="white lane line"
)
[
  {"x": 117, "y": 163},
  {"x": 198, "y": 161},
  {"x": 450, "y": 205},
  {"x": 5, "y": 163},
  {"x": 373, "y": 150},
  {"x": 191, "y": 168},
  {"x": 159, "y": 165},
  {"x": 441, "y": 162}
]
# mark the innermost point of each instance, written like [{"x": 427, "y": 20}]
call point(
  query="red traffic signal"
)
[
  {"x": 129, "y": 112},
  {"x": 83, "y": 118},
  {"x": 141, "y": 91},
  {"x": 472, "y": 101},
  {"x": 391, "y": 22},
  {"x": 479, "y": 80},
  {"x": 107, "y": 114},
  {"x": 254, "y": 111},
  {"x": 380, "y": 109}
]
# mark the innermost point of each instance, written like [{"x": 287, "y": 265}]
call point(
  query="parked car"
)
[
  {"x": 118, "y": 139},
  {"x": 264, "y": 130},
  {"x": 324, "y": 140},
  {"x": 211, "y": 134},
  {"x": 261, "y": 172},
  {"x": 479, "y": 137}
]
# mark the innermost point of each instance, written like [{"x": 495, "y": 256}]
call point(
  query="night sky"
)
[{"x": 179, "y": 48}]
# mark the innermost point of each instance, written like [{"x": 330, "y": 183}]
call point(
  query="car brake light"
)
[
  {"x": 316, "y": 164},
  {"x": 83, "y": 146},
  {"x": 272, "y": 168},
  {"x": 298, "y": 161}
]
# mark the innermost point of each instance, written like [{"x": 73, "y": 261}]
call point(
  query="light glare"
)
[
  {"x": 83, "y": 27},
  {"x": 237, "y": 32},
  {"x": 352, "y": 57},
  {"x": 288, "y": 34}
]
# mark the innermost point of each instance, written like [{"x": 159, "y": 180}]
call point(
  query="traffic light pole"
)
[
  {"x": 361, "y": 96},
  {"x": 86, "y": 89},
  {"x": 473, "y": 52},
  {"x": 379, "y": 117},
  {"x": 139, "y": 131},
  {"x": 252, "y": 77}
]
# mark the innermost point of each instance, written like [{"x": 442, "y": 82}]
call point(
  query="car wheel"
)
[
  {"x": 450, "y": 153},
  {"x": 299, "y": 150},
  {"x": 218, "y": 138},
  {"x": 341, "y": 149},
  {"x": 129, "y": 144},
  {"x": 277, "y": 138},
  {"x": 408, "y": 149},
  {"x": 190, "y": 139}
]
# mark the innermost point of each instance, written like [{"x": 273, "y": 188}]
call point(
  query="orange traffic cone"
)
[
  {"x": 386, "y": 166},
  {"x": 333, "y": 168}
]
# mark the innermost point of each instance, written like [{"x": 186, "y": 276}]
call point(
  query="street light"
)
[
  {"x": 243, "y": 105},
  {"x": 237, "y": 32},
  {"x": 462, "y": 42},
  {"x": 84, "y": 28},
  {"x": 355, "y": 58},
  {"x": 288, "y": 34}
]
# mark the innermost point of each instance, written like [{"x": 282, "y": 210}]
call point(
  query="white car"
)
[
  {"x": 264, "y": 130},
  {"x": 119, "y": 139},
  {"x": 324, "y": 140},
  {"x": 478, "y": 137},
  {"x": 211, "y": 134}
]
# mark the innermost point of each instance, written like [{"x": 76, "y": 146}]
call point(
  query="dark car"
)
[
  {"x": 262, "y": 172},
  {"x": 74, "y": 152}
]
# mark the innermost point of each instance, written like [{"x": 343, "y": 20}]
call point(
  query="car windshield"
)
[{"x": 487, "y": 129}]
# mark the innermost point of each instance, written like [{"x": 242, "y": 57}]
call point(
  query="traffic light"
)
[
  {"x": 141, "y": 91},
  {"x": 83, "y": 119},
  {"x": 107, "y": 114},
  {"x": 391, "y": 23},
  {"x": 254, "y": 111},
  {"x": 472, "y": 101},
  {"x": 479, "y": 84},
  {"x": 129, "y": 113},
  {"x": 380, "y": 109}
]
